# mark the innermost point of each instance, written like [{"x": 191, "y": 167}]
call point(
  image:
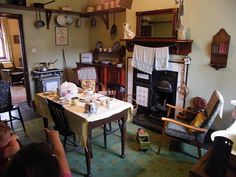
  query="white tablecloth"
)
[{"x": 78, "y": 120}]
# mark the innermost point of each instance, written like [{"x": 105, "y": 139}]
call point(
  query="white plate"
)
[
  {"x": 119, "y": 65},
  {"x": 116, "y": 47},
  {"x": 61, "y": 20},
  {"x": 105, "y": 62},
  {"x": 99, "y": 45}
]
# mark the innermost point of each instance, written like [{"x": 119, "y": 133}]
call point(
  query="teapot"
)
[{"x": 90, "y": 107}]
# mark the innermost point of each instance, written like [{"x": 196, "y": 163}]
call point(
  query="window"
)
[{"x": 2, "y": 46}]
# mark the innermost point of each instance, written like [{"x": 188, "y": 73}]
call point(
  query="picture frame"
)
[
  {"x": 61, "y": 36},
  {"x": 16, "y": 39}
]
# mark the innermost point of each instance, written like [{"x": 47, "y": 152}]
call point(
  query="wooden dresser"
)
[{"x": 107, "y": 73}]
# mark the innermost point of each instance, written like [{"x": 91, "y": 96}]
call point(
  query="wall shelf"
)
[
  {"x": 177, "y": 47},
  {"x": 219, "y": 49},
  {"x": 82, "y": 14},
  {"x": 18, "y": 7},
  {"x": 103, "y": 13}
]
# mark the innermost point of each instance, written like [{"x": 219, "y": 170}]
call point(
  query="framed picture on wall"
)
[
  {"x": 61, "y": 36},
  {"x": 16, "y": 39}
]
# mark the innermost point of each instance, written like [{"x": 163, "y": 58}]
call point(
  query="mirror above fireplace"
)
[
  {"x": 146, "y": 35},
  {"x": 157, "y": 23}
]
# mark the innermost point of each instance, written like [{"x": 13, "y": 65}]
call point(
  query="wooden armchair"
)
[{"x": 193, "y": 132}]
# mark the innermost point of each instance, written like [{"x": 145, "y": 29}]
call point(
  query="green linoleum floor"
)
[{"x": 107, "y": 163}]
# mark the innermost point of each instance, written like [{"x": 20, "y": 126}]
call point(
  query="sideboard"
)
[{"x": 106, "y": 73}]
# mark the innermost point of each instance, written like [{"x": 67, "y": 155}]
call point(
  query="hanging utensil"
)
[
  {"x": 65, "y": 71},
  {"x": 114, "y": 27},
  {"x": 181, "y": 8},
  {"x": 78, "y": 22},
  {"x": 41, "y": 5},
  {"x": 39, "y": 23},
  {"x": 183, "y": 90},
  {"x": 48, "y": 17},
  {"x": 93, "y": 22}
]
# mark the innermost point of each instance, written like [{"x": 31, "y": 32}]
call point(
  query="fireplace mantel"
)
[{"x": 177, "y": 47}]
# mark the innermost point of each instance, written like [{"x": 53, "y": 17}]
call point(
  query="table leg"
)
[
  {"x": 88, "y": 154},
  {"x": 105, "y": 135},
  {"x": 123, "y": 133},
  {"x": 88, "y": 162}
]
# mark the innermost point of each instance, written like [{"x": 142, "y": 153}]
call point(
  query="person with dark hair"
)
[
  {"x": 8, "y": 146},
  {"x": 40, "y": 160}
]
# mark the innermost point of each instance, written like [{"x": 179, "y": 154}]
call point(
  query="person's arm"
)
[
  {"x": 12, "y": 148},
  {"x": 59, "y": 151}
]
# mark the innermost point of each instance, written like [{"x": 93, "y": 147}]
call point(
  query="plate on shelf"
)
[
  {"x": 99, "y": 44},
  {"x": 61, "y": 20},
  {"x": 116, "y": 47},
  {"x": 105, "y": 62},
  {"x": 69, "y": 19}
]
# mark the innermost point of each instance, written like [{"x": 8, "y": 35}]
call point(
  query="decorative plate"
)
[
  {"x": 99, "y": 45},
  {"x": 116, "y": 47},
  {"x": 106, "y": 62},
  {"x": 61, "y": 20},
  {"x": 69, "y": 19}
]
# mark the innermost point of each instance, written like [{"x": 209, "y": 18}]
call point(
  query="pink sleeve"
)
[{"x": 66, "y": 175}]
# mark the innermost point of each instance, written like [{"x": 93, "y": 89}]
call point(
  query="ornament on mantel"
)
[
  {"x": 182, "y": 32},
  {"x": 180, "y": 27},
  {"x": 128, "y": 34}
]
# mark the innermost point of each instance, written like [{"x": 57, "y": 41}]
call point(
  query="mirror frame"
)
[{"x": 139, "y": 16}]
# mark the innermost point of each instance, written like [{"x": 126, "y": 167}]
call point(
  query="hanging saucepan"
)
[
  {"x": 41, "y": 5},
  {"x": 93, "y": 22},
  {"x": 39, "y": 23}
]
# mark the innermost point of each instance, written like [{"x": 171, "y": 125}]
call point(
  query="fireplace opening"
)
[{"x": 164, "y": 92}]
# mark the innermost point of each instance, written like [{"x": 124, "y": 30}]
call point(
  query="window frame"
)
[{"x": 3, "y": 43}]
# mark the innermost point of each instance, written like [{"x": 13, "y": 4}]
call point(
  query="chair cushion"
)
[
  {"x": 198, "y": 121},
  {"x": 88, "y": 84},
  {"x": 199, "y": 103},
  {"x": 87, "y": 73},
  {"x": 178, "y": 131}
]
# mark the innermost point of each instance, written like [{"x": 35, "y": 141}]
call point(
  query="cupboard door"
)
[
  {"x": 100, "y": 74},
  {"x": 116, "y": 75}
]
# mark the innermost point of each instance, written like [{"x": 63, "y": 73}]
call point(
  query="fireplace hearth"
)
[{"x": 152, "y": 93}]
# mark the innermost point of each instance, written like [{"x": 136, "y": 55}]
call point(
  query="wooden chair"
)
[
  {"x": 61, "y": 124},
  {"x": 6, "y": 104},
  {"x": 193, "y": 133},
  {"x": 114, "y": 91},
  {"x": 87, "y": 79}
]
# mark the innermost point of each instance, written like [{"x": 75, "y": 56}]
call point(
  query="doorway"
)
[{"x": 21, "y": 88}]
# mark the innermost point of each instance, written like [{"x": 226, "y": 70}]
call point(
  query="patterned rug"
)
[
  {"x": 18, "y": 94},
  {"x": 107, "y": 163}
]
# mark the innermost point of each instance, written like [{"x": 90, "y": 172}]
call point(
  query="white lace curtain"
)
[{"x": 6, "y": 38}]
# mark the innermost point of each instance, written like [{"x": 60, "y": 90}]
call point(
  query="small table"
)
[
  {"x": 82, "y": 123},
  {"x": 198, "y": 169},
  {"x": 227, "y": 134}
]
